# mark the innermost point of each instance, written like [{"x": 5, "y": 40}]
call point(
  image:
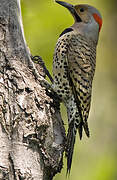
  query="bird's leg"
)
[
  {"x": 50, "y": 91},
  {"x": 38, "y": 60}
]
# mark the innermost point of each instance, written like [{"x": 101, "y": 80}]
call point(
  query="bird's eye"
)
[{"x": 81, "y": 9}]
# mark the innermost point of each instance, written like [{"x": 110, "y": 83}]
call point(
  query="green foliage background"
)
[{"x": 94, "y": 158}]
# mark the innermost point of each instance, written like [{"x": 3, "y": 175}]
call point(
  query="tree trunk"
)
[{"x": 32, "y": 134}]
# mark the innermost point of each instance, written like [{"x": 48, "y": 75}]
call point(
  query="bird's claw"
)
[{"x": 38, "y": 60}]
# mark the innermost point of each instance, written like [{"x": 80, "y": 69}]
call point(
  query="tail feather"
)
[
  {"x": 80, "y": 129},
  {"x": 86, "y": 129},
  {"x": 71, "y": 136}
]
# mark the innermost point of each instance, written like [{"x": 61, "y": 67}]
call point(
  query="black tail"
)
[
  {"x": 70, "y": 145},
  {"x": 86, "y": 129}
]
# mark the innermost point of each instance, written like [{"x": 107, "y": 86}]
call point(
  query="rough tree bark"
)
[{"x": 31, "y": 130}]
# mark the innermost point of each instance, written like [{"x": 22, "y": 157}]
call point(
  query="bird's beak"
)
[{"x": 70, "y": 7}]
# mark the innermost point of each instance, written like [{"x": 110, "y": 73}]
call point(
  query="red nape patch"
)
[{"x": 98, "y": 20}]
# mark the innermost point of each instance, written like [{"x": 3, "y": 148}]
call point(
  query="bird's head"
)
[{"x": 87, "y": 16}]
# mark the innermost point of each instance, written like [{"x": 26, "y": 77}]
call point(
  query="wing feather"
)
[{"x": 81, "y": 65}]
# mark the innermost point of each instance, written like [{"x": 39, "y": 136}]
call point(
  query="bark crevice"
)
[{"x": 32, "y": 135}]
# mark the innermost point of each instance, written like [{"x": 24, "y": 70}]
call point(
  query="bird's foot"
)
[
  {"x": 38, "y": 60},
  {"x": 49, "y": 89}
]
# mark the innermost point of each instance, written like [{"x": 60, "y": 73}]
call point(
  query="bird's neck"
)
[{"x": 91, "y": 33}]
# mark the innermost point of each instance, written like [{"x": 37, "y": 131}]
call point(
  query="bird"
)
[{"x": 74, "y": 65}]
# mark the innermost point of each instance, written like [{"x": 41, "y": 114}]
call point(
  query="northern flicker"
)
[{"x": 73, "y": 69}]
